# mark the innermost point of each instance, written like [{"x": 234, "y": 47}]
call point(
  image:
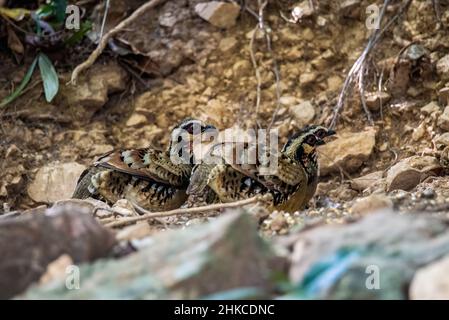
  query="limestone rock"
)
[
  {"x": 443, "y": 120},
  {"x": 124, "y": 208},
  {"x": 217, "y": 13},
  {"x": 55, "y": 182},
  {"x": 443, "y": 96},
  {"x": 443, "y": 67},
  {"x": 92, "y": 90},
  {"x": 135, "y": 231},
  {"x": 381, "y": 251},
  {"x": 77, "y": 104},
  {"x": 334, "y": 83},
  {"x": 364, "y": 182},
  {"x": 168, "y": 19},
  {"x": 349, "y": 8},
  {"x": 136, "y": 119},
  {"x": 375, "y": 99},
  {"x": 307, "y": 78},
  {"x": 241, "y": 67},
  {"x": 407, "y": 173},
  {"x": 442, "y": 140},
  {"x": 348, "y": 151},
  {"x": 99, "y": 149},
  {"x": 227, "y": 44},
  {"x": 431, "y": 282},
  {"x": 288, "y": 100},
  {"x": 372, "y": 203},
  {"x": 29, "y": 243},
  {"x": 222, "y": 255},
  {"x": 302, "y": 10},
  {"x": 430, "y": 108},
  {"x": 303, "y": 113}
]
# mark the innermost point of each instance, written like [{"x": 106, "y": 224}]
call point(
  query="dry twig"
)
[
  {"x": 256, "y": 70},
  {"x": 357, "y": 70},
  {"x": 104, "y": 40},
  {"x": 147, "y": 215},
  {"x": 103, "y": 24},
  {"x": 266, "y": 30}
]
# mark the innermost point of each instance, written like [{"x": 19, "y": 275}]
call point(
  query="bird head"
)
[
  {"x": 186, "y": 134},
  {"x": 320, "y": 132},
  {"x": 303, "y": 144}
]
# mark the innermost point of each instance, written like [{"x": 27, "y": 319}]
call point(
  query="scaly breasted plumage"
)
[
  {"x": 311, "y": 161},
  {"x": 292, "y": 185},
  {"x": 153, "y": 179}
]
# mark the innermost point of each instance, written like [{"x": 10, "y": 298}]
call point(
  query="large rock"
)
[
  {"x": 349, "y": 8},
  {"x": 443, "y": 96},
  {"x": 303, "y": 113},
  {"x": 55, "y": 182},
  {"x": 374, "y": 258},
  {"x": 443, "y": 120},
  {"x": 431, "y": 282},
  {"x": 407, "y": 173},
  {"x": 371, "y": 203},
  {"x": 92, "y": 91},
  {"x": 430, "y": 108},
  {"x": 348, "y": 152},
  {"x": 374, "y": 100},
  {"x": 443, "y": 67},
  {"x": 364, "y": 182},
  {"x": 29, "y": 243},
  {"x": 222, "y": 255},
  {"x": 217, "y": 13},
  {"x": 228, "y": 44}
]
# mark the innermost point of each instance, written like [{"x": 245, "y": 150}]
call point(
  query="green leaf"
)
[
  {"x": 56, "y": 8},
  {"x": 17, "y": 13},
  {"x": 49, "y": 77},
  {"x": 22, "y": 85},
  {"x": 44, "y": 11},
  {"x": 78, "y": 36},
  {"x": 60, "y": 6}
]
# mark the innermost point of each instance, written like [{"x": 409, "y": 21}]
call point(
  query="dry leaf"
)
[
  {"x": 16, "y": 13},
  {"x": 14, "y": 42}
]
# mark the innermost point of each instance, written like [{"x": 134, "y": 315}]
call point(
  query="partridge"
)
[
  {"x": 153, "y": 179},
  {"x": 291, "y": 186},
  {"x": 311, "y": 161}
]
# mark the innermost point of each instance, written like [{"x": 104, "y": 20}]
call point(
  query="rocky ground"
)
[{"x": 185, "y": 59}]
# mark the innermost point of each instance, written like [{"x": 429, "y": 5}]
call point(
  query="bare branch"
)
[
  {"x": 147, "y": 215},
  {"x": 104, "y": 40},
  {"x": 262, "y": 26},
  {"x": 358, "y": 67}
]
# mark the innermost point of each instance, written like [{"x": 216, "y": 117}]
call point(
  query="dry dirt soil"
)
[{"x": 181, "y": 65}]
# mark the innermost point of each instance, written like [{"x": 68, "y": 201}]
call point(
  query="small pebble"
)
[{"x": 428, "y": 193}]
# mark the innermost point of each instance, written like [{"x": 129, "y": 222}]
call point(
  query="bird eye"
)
[
  {"x": 311, "y": 140},
  {"x": 179, "y": 138},
  {"x": 320, "y": 133},
  {"x": 189, "y": 128}
]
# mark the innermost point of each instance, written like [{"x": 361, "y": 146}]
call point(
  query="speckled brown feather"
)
[
  {"x": 144, "y": 176},
  {"x": 148, "y": 177},
  {"x": 148, "y": 164},
  {"x": 231, "y": 181},
  {"x": 292, "y": 186}
]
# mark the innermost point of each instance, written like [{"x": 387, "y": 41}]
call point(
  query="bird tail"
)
[{"x": 85, "y": 187}]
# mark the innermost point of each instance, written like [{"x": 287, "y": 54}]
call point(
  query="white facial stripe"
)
[{"x": 192, "y": 122}]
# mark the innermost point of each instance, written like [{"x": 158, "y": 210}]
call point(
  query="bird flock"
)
[{"x": 225, "y": 171}]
